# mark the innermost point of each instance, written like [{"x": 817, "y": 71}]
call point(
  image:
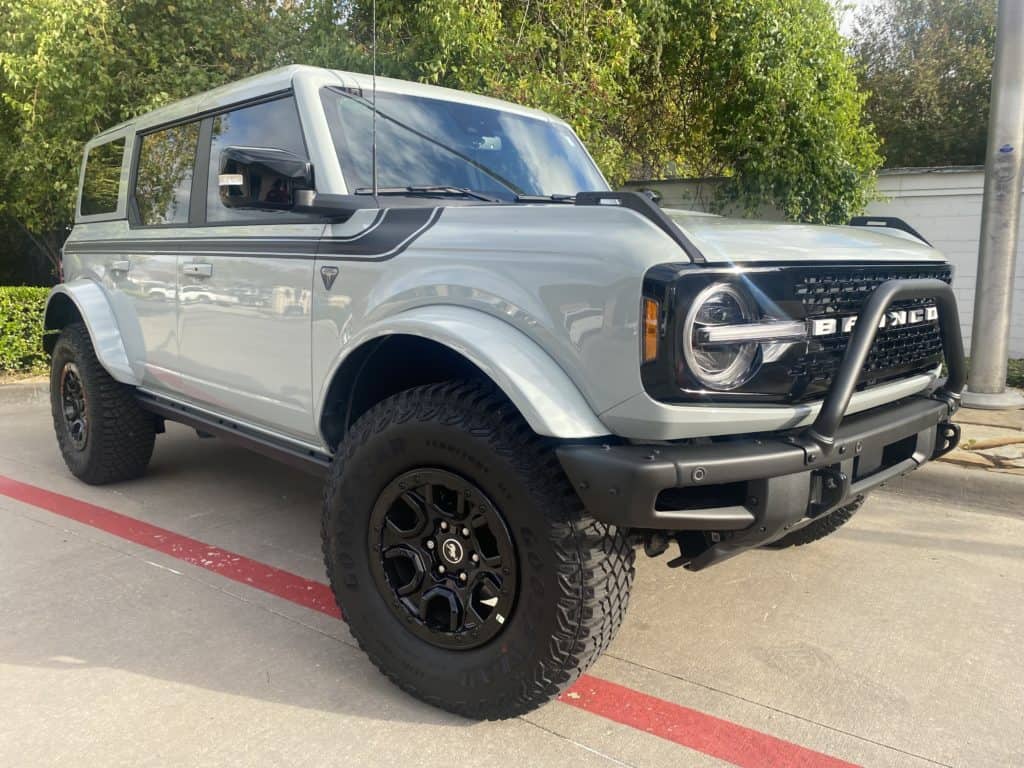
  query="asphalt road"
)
[{"x": 894, "y": 642}]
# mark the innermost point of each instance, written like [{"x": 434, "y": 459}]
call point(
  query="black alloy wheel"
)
[
  {"x": 72, "y": 401},
  {"x": 445, "y": 563}
]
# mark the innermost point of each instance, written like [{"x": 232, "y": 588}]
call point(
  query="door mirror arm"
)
[{"x": 339, "y": 207}]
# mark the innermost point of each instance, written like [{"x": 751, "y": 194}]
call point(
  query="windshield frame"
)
[{"x": 342, "y": 148}]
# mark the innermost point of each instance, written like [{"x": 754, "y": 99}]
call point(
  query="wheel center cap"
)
[{"x": 451, "y": 550}]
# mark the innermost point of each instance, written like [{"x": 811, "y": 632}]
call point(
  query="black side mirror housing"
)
[{"x": 262, "y": 178}]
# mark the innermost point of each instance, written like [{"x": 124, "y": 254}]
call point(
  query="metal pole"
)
[{"x": 1000, "y": 216}]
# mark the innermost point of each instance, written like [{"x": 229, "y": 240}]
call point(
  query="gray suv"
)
[{"x": 512, "y": 377}]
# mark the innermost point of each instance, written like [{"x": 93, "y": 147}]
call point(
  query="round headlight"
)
[{"x": 720, "y": 366}]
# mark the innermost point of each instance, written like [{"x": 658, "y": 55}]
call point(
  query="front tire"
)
[
  {"x": 444, "y": 488},
  {"x": 819, "y": 529},
  {"x": 103, "y": 433}
]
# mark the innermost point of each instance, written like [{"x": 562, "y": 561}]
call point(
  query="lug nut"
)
[
  {"x": 440, "y": 569},
  {"x": 444, "y": 526},
  {"x": 463, "y": 576},
  {"x": 475, "y": 557},
  {"x": 465, "y": 532},
  {"x": 430, "y": 544}
]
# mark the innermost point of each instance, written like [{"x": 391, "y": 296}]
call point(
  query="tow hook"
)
[
  {"x": 948, "y": 438},
  {"x": 832, "y": 486}
]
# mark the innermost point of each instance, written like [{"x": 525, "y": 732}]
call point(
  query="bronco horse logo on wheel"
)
[{"x": 452, "y": 550}]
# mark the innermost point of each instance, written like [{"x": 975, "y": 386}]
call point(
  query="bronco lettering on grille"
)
[{"x": 895, "y": 318}]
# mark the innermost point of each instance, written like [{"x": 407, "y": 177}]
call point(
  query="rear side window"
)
[
  {"x": 102, "y": 178},
  {"x": 163, "y": 182},
  {"x": 271, "y": 125}
]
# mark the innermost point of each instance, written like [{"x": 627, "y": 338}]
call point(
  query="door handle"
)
[
  {"x": 120, "y": 266},
  {"x": 198, "y": 270}
]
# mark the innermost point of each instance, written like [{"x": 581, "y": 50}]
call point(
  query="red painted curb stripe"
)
[
  {"x": 311, "y": 594},
  {"x": 687, "y": 727}
]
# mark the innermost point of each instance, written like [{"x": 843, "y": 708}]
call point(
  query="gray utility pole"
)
[{"x": 1000, "y": 217}]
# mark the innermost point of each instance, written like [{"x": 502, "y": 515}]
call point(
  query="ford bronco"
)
[{"x": 512, "y": 377}]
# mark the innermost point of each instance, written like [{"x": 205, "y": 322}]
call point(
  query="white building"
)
[{"x": 943, "y": 204}]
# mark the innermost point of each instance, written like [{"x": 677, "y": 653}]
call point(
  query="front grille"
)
[
  {"x": 845, "y": 291},
  {"x": 897, "y": 352}
]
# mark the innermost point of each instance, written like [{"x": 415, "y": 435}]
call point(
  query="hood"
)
[{"x": 724, "y": 240}]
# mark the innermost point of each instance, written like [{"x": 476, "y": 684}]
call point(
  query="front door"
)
[{"x": 245, "y": 283}]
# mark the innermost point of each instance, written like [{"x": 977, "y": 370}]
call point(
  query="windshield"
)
[{"x": 431, "y": 142}]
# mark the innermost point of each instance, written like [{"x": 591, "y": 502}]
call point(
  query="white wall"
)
[{"x": 944, "y": 205}]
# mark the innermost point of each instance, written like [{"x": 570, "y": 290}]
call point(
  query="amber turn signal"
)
[{"x": 650, "y": 349}]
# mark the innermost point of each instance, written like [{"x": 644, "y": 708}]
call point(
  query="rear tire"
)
[
  {"x": 819, "y": 529},
  {"x": 103, "y": 433},
  {"x": 457, "y": 461}
]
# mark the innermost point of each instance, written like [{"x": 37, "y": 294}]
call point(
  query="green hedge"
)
[
  {"x": 21, "y": 330},
  {"x": 1015, "y": 374}
]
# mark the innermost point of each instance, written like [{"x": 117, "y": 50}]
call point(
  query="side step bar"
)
[{"x": 308, "y": 460}]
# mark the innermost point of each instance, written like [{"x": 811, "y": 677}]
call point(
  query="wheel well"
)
[
  {"x": 60, "y": 312},
  {"x": 384, "y": 367}
]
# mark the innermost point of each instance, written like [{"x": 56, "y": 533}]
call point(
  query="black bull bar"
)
[{"x": 747, "y": 492}]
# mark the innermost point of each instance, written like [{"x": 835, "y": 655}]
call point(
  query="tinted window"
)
[
  {"x": 431, "y": 141},
  {"x": 102, "y": 178},
  {"x": 271, "y": 125},
  {"x": 164, "y": 178}
]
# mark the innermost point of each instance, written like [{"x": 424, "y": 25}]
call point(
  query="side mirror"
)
[
  {"x": 262, "y": 178},
  {"x": 653, "y": 194}
]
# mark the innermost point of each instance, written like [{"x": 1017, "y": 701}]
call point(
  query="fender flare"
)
[
  {"x": 91, "y": 303},
  {"x": 544, "y": 394}
]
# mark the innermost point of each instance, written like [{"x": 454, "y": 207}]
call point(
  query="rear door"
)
[
  {"x": 245, "y": 285},
  {"x": 160, "y": 200}
]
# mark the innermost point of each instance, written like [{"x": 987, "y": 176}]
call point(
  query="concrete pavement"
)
[{"x": 893, "y": 642}]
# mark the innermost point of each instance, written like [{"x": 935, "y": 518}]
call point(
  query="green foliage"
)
[
  {"x": 1015, "y": 374},
  {"x": 21, "y": 330},
  {"x": 72, "y": 68},
  {"x": 568, "y": 57},
  {"x": 758, "y": 91},
  {"x": 928, "y": 66}
]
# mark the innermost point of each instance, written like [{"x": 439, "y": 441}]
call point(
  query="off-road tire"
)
[
  {"x": 574, "y": 572},
  {"x": 819, "y": 529},
  {"x": 119, "y": 433}
]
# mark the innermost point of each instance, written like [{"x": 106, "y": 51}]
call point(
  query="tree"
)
[
  {"x": 928, "y": 67},
  {"x": 758, "y": 91},
  {"x": 569, "y": 57},
  {"x": 72, "y": 68},
  {"x": 50, "y": 104}
]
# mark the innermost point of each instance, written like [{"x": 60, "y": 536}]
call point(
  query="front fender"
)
[
  {"x": 529, "y": 377},
  {"x": 92, "y": 306}
]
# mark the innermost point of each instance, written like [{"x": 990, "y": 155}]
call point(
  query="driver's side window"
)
[{"x": 270, "y": 125}]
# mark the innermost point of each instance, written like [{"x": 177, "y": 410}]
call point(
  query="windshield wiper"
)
[
  {"x": 426, "y": 189},
  {"x": 545, "y": 198}
]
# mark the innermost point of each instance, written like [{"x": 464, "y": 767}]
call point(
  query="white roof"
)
[{"x": 283, "y": 78}]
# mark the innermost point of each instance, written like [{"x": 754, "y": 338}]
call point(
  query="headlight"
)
[{"x": 720, "y": 365}]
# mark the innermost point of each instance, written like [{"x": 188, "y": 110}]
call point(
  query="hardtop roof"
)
[{"x": 284, "y": 78}]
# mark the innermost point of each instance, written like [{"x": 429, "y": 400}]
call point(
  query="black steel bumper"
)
[{"x": 747, "y": 492}]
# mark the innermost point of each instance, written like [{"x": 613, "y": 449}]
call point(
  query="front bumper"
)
[{"x": 747, "y": 492}]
